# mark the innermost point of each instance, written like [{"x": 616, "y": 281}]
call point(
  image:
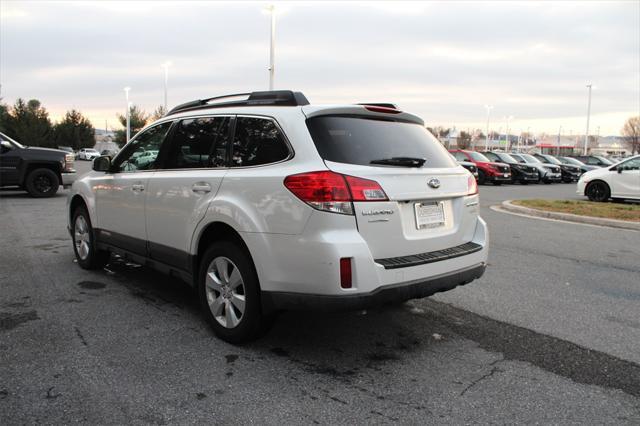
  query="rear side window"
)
[
  {"x": 257, "y": 141},
  {"x": 361, "y": 140},
  {"x": 199, "y": 143}
]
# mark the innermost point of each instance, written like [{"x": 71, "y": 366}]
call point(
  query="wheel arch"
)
[
  {"x": 210, "y": 233},
  {"x": 31, "y": 166},
  {"x": 588, "y": 185}
]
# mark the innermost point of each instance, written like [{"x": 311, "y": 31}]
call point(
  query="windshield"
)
[
  {"x": 507, "y": 158},
  {"x": 363, "y": 140},
  {"x": 11, "y": 141},
  {"x": 478, "y": 157},
  {"x": 530, "y": 158},
  {"x": 518, "y": 158},
  {"x": 606, "y": 161},
  {"x": 552, "y": 160},
  {"x": 569, "y": 160}
]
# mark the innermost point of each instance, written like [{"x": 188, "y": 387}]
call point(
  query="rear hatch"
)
[{"x": 427, "y": 207}]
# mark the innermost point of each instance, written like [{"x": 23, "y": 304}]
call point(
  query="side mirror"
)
[{"x": 102, "y": 163}]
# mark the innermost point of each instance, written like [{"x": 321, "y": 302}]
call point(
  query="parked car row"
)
[{"x": 501, "y": 167}]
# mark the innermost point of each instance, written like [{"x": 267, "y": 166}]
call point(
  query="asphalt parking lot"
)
[{"x": 550, "y": 334}]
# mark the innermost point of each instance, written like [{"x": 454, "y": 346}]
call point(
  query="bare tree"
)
[{"x": 631, "y": 131}]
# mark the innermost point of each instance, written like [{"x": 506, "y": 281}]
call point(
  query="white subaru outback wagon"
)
[{"x": 264, "y": 202}]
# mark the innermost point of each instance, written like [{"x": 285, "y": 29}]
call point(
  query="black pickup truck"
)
[{"x": 39, "y": 171}]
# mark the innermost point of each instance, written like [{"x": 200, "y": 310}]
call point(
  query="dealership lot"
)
[{"x": 551, "y": 333}]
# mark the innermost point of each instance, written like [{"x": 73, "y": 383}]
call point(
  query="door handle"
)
[
  {"x": 201, "y": 187},
  {"x": 138, "y": 187}
]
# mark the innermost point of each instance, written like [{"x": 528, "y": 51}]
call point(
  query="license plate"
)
[
  {"x": 506, "y": 175},
  {"x": 429, "y": 215}
]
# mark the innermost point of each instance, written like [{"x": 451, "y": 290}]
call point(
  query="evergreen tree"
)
[
  {"x": 137, "y": 118},
  {"x": 160, "y": 112},
  {"x": 29, "y": 124},
  {"x": 4, "y": 116},
  {"x": 75, "y": 131}
]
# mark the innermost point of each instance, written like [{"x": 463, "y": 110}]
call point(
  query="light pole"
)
[
  {"x": 166, "y": 66},
  {"x": 559, "y": 132},
  {"x": 272, "y": 54},
  {"x": 586, "y": 136},
  {"x": 126, "y": 95},
  {"x": 486, "y": 140},
  {"x": 507, "y": 141}
]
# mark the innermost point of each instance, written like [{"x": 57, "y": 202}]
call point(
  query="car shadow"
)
[
  {"x": 16, "y": 193},
  {"x": 338, "y": 344}
]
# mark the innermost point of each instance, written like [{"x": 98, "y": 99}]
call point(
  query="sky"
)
[{"x": 443, "y": 61}]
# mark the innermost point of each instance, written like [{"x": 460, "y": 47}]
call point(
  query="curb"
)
[{"x": 613, "y": 223}]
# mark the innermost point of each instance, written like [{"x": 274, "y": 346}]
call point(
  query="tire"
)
[
  {"x": 497, "y": 183},
  {"x": 84, "y": 245},
  {"x": 231, "y": 300},
  {"x": 524, "y": 182},
  {"x": 598, "y": 191},
  {"x": 42, "y": 183},
  {"x": 547, "y": 181},
  {"x": 481, "y": 178}
]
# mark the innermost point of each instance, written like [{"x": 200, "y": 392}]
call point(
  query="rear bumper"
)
[{"x": 390, "y": 294}]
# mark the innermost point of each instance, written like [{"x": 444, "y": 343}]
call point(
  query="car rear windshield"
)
[{"x": 361, "y": 140}]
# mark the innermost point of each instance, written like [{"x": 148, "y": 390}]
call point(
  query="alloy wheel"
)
[
  {"x": 42, "y": 183},
  {"x": 81, "y": 237},
  {"x": 225, "y": 292}
]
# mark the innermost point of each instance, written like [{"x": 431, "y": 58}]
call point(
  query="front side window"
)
[
  {"x": 141, "y": 153},
  {"x": 199, "y": 143},
  {"x": 257, "y": 141},
  {"x": 491, "y": 156},
  {"x": 633, "y": 164}
]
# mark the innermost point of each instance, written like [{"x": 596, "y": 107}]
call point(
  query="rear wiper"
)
[{"x": 400, "y": 161}]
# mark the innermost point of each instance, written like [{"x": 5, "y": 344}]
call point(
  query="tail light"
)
[
  {"x": 333, "y": 192},
  {"x": 472, "y": 186}
]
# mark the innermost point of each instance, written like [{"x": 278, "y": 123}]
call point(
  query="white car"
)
[
  {"x": 88, "y": 154},
  {"x": 620, "y": 181},
  {"x": 270, "y": 203}
]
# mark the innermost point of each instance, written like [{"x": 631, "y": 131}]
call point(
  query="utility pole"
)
[
  {"x": 586, "y": 136},
  {"x": 166, "y": 66},
  {"x": 486, "y": 140}
]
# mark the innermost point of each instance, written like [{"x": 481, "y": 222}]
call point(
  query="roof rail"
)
[
  {"x": 266, "y": 98},
  {"x": 379, "y": 104}
]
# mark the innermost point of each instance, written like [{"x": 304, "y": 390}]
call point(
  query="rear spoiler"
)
[{"x": 376, "y": 111}]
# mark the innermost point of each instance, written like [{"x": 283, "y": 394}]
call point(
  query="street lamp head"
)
[
  {"x": 126, "y": 89},
  {"x": 166, "y": 64}
]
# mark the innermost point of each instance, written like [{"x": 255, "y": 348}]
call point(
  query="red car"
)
[{"x": 488, "y": 171}]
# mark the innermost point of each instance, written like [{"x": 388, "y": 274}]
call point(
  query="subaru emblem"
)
[{"x": 434, "y": 183}]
